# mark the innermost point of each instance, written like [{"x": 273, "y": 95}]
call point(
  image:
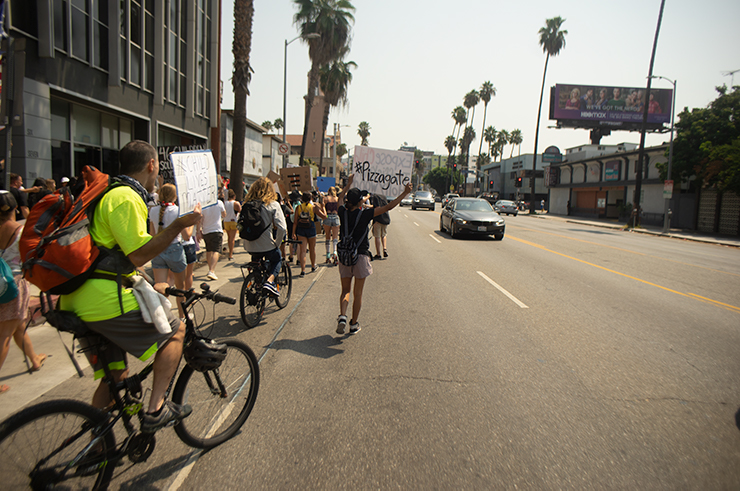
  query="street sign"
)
[
  {"x": 667, "y": 189},
  {"x": 284, "y": 149}
]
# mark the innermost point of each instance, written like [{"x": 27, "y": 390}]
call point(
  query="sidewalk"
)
[
  {"x": 673, "y": 233},
  {"x": 25, "y": 387}
]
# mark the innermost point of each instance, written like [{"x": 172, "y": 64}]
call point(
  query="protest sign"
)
[
  {"x": 195, "y": 178},
  {"x": 324, "y": 183},
  {"x": 383, "y": 172},
  {"x": 297, "y": 178},
  {"x": 166, "y": 172}
]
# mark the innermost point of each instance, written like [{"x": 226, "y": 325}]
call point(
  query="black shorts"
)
[
  {"x": 190, "y": 255},
  {"x": 214, "y": 241}
]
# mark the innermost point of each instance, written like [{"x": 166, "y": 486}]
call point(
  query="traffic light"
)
[
  {"x": 454, "y": 166},
  {"x": 518, "y": 182},
  {"x": 491, "y": 182}
]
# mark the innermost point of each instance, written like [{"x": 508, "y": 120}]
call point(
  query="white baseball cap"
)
[{"x": 65, "y": 179}]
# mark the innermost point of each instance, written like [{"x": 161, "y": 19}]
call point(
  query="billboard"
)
[{"x": 590, "y": 106}]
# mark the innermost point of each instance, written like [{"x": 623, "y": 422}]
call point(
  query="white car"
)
[{"x": 408, "y": 200}]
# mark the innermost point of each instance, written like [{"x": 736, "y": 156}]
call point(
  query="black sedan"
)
[{"x": 471, "y": 216}]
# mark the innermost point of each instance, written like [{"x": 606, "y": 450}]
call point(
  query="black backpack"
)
[
  {"x": 251, "y": 223},
  {"x": 347, "y": 247}
]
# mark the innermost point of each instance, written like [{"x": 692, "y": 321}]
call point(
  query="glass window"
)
[
  {"x": 124, "y": 132},
  {"x": 135, "y": 77},
  {"x": 24, "y": 17},
  {"x": 79, "y": 33},
  {"x": 60, "y": 25},
  {"x": 86, "y": 125},
  {"x": 135, "y": 34},
  {"x": 100, "y": 34},
  {"x": 109, "y": 124},
  {"x": 59, "y": 120},
  {"x": 61, "y": 160}
]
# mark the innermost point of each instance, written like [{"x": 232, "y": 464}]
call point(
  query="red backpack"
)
[{"x": 56, "y": 248}]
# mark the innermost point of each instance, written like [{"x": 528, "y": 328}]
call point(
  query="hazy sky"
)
[{"x": 416, "y": 60}]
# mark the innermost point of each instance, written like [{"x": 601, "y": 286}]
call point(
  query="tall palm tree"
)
[
  {"x": 278, "y": 124},
  {"x": 450, "y": 144},
  {"x": 331, "y": 19},
  {"x": 460, "y": 116},
  {"x": 515, "y": 139},
  {"x": 467, "y": 138},
  {"x": 334, "y": 80},
  {"x": 241, "y": 47},
  {"x": 487, "y": 90},
  {"x": 471, "y": 100},
  {"x": 268, "y": 126},
  {"x": 363, "y": 131},
  {"x": 489, "y": 134},
  {"x": 502, "y": 139},
  {"x": 552, "y": 40}
]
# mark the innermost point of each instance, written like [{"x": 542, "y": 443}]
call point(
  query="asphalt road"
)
[{"x": 563, "y": 357}]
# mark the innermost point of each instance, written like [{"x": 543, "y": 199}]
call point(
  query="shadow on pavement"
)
[
  {"x": 323, "y": 346},
  {"x": 151, "y": 479}
]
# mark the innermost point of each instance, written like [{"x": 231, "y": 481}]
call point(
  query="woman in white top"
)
[
  {"x": 232, "y": 210},
  {"x": 173, "y": 258},
  {"x": 13, "y": 313}
]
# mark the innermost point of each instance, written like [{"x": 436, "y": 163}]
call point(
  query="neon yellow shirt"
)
[{"x": 120, "y": 218}]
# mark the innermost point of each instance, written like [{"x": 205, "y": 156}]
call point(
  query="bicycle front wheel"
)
[
  {"x": 251, "y": 300},
  {"x": 285, "y": 285},
  {"x": 46, "y": 446},
  {"x": 221, "y": 399}
]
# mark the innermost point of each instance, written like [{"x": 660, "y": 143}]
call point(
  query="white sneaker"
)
[{"x": 211, "y": 276}]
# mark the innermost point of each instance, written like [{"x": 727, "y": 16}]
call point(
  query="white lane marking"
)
[
  {"x": 416, "y": 224},
  {"x": 435, "y": 239},
  {"x": 502, "y": 290}
]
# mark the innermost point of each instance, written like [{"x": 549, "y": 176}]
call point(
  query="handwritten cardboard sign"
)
[
  {"x": 165, "y": 165},
  {"x": 195, "y": 178},
  {"x": 297, "y": 178},
  {"x": 383, "y": 172}
]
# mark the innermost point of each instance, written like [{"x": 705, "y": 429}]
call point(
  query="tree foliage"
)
[
  {"x": 707, "y": 145},
  {"x": 439, "y": 179}
]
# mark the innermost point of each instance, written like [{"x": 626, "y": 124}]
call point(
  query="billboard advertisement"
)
[{"x": 597, "y": 105}]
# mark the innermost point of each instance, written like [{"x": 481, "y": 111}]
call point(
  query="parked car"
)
[
  {"x": 407, "y": 200},
  {"x": 471, "y": 216},
  {"x": 505, "y": 206},
  {"x": 447, "y": 197},
  {"x": 423, "y": 199}
]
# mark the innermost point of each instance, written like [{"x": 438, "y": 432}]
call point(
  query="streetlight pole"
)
[
  {"x": 666, "y": 210},
  {"x": 313, "y": 35}
]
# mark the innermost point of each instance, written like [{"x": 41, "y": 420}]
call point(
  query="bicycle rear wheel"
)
[
  {"x": 39, "y": 446},
  {"x": 221, "y": 399},
  {"x": 285, "y": 285},
  {"x": 251, "y": 300}
]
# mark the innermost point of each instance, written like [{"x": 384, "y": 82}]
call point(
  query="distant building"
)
[{"x": 253, "y": 148}]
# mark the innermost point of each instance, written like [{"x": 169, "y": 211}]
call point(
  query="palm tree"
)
[
  {"x": 515, "y": 139},
  {"x": 465, "y": 141},
  {"x": 471, "y": 100},
  {"x": 278, "y": 124},
  {"x": 489, "y": 134},
  {"x": 487, "y": 90},
  {"x": 331, "y": 19},
  {"x": 267, "y": 125},
  {"x": 502, "y": 139},
  {"x": 363, "y": 131},
  {"x": 334, "y": 80},
  {"x": 460, "y": 116},
  {"x": 552, "y": 40},
  {"x": 450, "y": 144},
  {"x": 241, "y": 47}
]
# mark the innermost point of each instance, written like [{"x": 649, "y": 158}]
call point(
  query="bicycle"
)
[
  {"x": 252, "y": 300},
  {"x": 71, "y": 444}
]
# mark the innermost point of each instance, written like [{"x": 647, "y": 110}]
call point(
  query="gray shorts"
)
[
  {"x": 128, "y": 333},
  {"x": 361, "y": 269},
  {"x": 331, "y": 220}
]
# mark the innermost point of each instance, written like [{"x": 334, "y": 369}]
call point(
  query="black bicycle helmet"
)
[{"x": 204, "y": 354}]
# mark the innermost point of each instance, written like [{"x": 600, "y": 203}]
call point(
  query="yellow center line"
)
[
  {"x": 626, "y": 250},
  {"x": 716, "y": 303}
]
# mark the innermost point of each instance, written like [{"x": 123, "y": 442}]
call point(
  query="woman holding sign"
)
[
  {"x": 305, "y": 230},
  {"x": 355, "y": 222}
]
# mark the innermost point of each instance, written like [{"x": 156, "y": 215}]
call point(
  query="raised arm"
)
[{"x": 395, "y": 202}]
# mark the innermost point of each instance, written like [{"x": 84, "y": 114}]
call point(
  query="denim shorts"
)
[
  {"x": 191, "y": 255},
  {"x": 173, "y": 258},
  {"x": 307, "y": 232},
  {"x": 331, "y": 220}
]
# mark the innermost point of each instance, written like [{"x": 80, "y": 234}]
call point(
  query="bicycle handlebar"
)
[{"x": 191, "y": 295}]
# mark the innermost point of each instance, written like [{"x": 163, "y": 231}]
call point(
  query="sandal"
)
[
  {"x": 4, "y": 388},
  {"x": 42, "y": 359}
]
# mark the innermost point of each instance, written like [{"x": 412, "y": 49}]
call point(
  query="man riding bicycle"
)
[
  {"x": 267, "y": 245},
  {"x": 109, "y": 308}
]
